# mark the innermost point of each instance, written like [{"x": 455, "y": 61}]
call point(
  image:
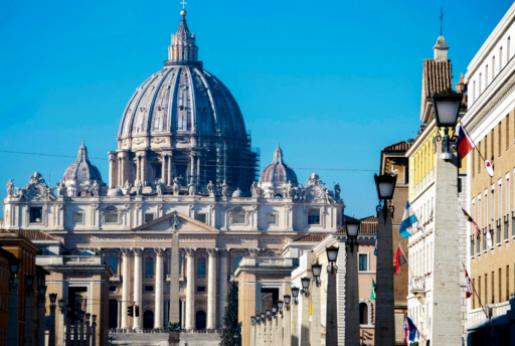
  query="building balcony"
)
[
  {"x": 417, "y": 287},
  {"x": 479, "y": 316}
]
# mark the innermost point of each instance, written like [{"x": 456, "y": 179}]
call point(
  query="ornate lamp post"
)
[
  {"x": 331, "y": 328},
  {"x": 305, "y": 285},
  {"x": 304, "y": 328},
  {"x": 351, "y": 282},
  {"x": 385, "y": 323},
  {"x": 448, "y": 236},
  {"x": 295, "y": 316},
  {"x": 53, "y": 298}
]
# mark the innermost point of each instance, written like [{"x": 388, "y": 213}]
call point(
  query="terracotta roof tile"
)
[
  {"x": 397, "y": 147},
  {"x": 311, "y": 237}
]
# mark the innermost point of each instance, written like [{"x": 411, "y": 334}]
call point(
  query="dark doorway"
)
[
  {"x": 148, "y": 319},
  {"x": 113, "y": 313},
  {"x": 200, "y": 320},
  {"x": 269, "y": 297}
]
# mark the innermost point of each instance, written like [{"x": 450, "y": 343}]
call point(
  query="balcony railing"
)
[{"x": 479, "y": 316}]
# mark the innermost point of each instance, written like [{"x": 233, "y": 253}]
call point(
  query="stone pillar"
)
[
  {"x": 331, "y": 324},
  {"x": 190, "y": 289},
  {"x": 304, "y": 325},
  {"x": 173, "y": 312},
  {"x": 158, "y": 297},
  {"x": 385, "y": 324},
  {"x": 286, "y": 320},
  {"x": 315, "y": 330},
  {"x": 211, "y": 288},
  {"x": 222, "y": 296},
  {"x": 448, "y": 274},
  {"x": 351, "y": 296},
  {"x": 113, "y": 170},
  {"x": 170, "y": 169},
  {"x": 125, "y": 289},
  {"x": 144, "y": 177},
  {"x": 294, "y": 329},
  {"x": 138, "y": 288},
  {"x": 252, "y": 333},
  {"x": 164, "y": 167}
]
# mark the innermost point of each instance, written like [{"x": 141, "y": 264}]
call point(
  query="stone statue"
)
[
  {"x": 255, "y": 190},
  {"x": 139, "y": 187},
  {"x": 176, "y": 186},
  {"x": 95, "y": 189},
  {"x": 10, "y": 188},
  {"x": 210, "y": 189},
  {"x": 159, "y": 188},
  {"x": 337, "y": 191},
  {"x": 61, "y": 189},
  {"x": 192, "y": 190},
  {"x": 225, "y": 189}
]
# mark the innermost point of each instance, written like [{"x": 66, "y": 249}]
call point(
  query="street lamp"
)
[
  {"x": 447, "y": 109},
  {"x": 268, "y": 314},
  {"x": 263, "y": 316},
  {"x": 316, "y": 269},
  {"x": 351, "y": 231},
  {"x": 305, "y": 285},
  {"x": 332, "y": 255},
  {"x": 287, "y": 301},
  {"x": 274, "y": 311},
  {"x": 295, "y": 294},
  {"x": 385, "y": 184},
  {"x": 280, "y": 305},
  {"x": 253, "y": 320}
]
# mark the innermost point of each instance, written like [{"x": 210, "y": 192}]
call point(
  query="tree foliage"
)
[{"x": 231, "y": 333}]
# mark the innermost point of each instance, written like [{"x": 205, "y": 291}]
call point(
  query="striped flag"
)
[
  {"x": 471, "y": 220},
  {"x": 398, "y": 260},
  {"x": 409, "y": 220},
  {"x": 465, "y": 144},
  {"x": 411, "y": 333}
]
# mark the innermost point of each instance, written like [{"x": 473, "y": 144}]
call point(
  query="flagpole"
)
[{"x": 477, "y": 295}]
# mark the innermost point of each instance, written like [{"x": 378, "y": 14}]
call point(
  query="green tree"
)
[{"x": 231, "y": 334}]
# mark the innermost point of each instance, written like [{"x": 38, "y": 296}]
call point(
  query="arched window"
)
[
  {"x": 111, "y": 215},
  {"x": 201, "y": 266},
  {"x": 363, "y": 313},
  {"x": 238, "y": 216},
  {"x": 149, "y": 267}
]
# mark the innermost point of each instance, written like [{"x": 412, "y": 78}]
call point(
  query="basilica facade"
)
[{"x": 183, "y": 166}]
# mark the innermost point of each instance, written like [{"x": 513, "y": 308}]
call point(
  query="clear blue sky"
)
[{"x": 333, "y": 82}]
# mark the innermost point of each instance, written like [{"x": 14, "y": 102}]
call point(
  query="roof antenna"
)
[{"x": 441, "y": 20}]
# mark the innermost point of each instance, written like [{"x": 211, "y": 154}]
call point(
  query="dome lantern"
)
[{"x": 183, "y": 50}]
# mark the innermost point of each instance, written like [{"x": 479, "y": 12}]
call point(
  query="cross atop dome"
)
[{"x": 183, "y": 49}]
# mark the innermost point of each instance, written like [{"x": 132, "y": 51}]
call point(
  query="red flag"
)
[
  {"x": 398, "y": 260},
  {"x": 465, "y": 144},
  {"x": 468, "y": 285}
]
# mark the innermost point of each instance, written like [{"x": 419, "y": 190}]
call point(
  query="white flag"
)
[{"x": 489, "y": 243}]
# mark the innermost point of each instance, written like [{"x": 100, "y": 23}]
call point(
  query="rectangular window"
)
[
  {"x": 473, "y": 295},
  {"x": 478, "y": 245},
  {"x": 507, "y": 131},
  {"x": 499, "y": 296},
  {"x": 479, "y": 288},
  {"x": 485, "y": 301},
  {"x": 36, "y": 214},
  {"x": 493, "y": 66},
  {"x": 202, "y": 217},
  {"x": 78, "y": 218},
  {"x": 500, "y": 58},
  {"x": 507, "y": 282},
  {"x": 149, "y": 217},
  {"x": 149, "y": 288},
  {"x": 472, "y": 246},
  {"x": 492, "y": 300},
  {"x": 480, "y": 78},
  {"x": 201, "y": 288},
  {"x": 314, "y": 217},
  {"x": 486, "y": 75},
  {"x": 272, "y": 219},
  {"x": 363, "y": 262}
]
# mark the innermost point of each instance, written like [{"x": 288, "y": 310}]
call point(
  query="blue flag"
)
[
  {"x": 409, "y": 219},
  {"x": 375, "y": 248},
  {"x": 411, "y": 333}
]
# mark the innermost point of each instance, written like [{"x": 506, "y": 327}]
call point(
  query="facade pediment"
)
[{"x": 177, "y": 221}]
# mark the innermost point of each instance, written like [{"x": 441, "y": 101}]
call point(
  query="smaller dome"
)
[
  {"x": 278, "y": 173},
  {"x": 82, "y": 172}
]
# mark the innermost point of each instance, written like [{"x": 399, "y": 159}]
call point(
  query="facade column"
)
[
  {"x": 190, "y": 289},
  {"x": 170, "y": 169},
  {"x": 286, "y": 327},
  {"x": 351, "y": 295},
  {"x": 125, "y": 289},
  {"x": 158, "y": 309},
  {"x": 112, "y": 170},
  {"x": 315, "y": 327},
  {"x": 304, "y": 325},
  {"x": 385, "y": 326},
  {"x": 163, "y": 167},
  {"x": 138, "y": 288},
  {"x": 138, "y": 169},
  {"x": 143, "y": 168},
  {"x": 222, "y": 296},
  {"x": 294, "y": 329},
  {"x": 211, "y": 288}
]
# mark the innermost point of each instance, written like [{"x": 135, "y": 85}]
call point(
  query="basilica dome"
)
[
  {"x": 182, "y": 127},
  {"x": 180, "y": 101},
  {"x": 278, "y": 173}
]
